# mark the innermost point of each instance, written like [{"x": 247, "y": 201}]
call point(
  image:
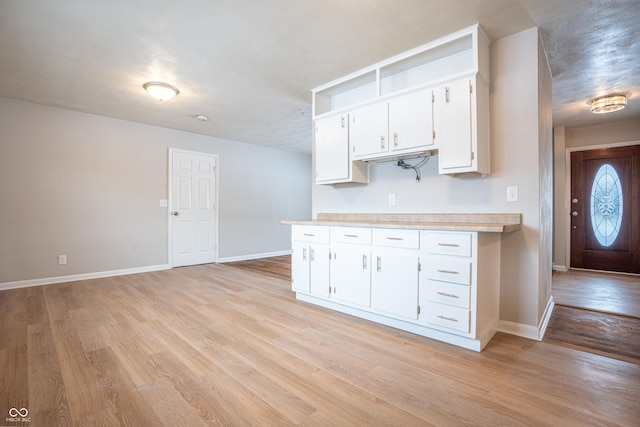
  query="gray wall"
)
[
  {"x": 89, "y": 187},
  {"x": 520, "y": 144}
]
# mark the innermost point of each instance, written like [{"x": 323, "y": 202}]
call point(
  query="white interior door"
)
[{"x": 193, "y": 208}]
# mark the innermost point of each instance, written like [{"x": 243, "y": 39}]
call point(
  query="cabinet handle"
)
[
  {"x": 342, "y": 122},
  {"x": 451, "y": 319},
  {"x": 351, "y": 235},
  {"x": 304, "y": 254},
  {"x": 395, "y": 238},
  {"x": 364, "y": 262},
  {"x": 449, "y": 245},
  {"x": 395, "y": 139},
  {"x": 309, "y": 235},
  {"x": 378, "y": 264},
  {"x": 447, "y": 271},
  {"x": 446, "y": 94},
  {"x": 312, "y": 254},
  {"x": 444, "y": 294},
  {"x": 382, "y": 142}
]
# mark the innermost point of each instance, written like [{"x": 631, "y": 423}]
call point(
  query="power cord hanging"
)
[{"x": 404, "y": 165}]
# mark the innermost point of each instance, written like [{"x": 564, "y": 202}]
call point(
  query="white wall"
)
[
  {"x": 515, "y": 160},
  {"x": 578, "y": 138},
  {"x": 89, "y": 187}
]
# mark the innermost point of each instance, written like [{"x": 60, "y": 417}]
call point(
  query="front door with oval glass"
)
[{"x": 605, "y": 209}]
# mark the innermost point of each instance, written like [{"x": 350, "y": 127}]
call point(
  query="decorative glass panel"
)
[{"x": 606, "y": 205}]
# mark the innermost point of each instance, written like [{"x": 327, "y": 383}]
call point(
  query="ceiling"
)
[{"x": 250, "y": 64}]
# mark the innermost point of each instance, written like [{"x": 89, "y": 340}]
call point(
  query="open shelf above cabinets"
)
[{"x": 464, "y": 53}]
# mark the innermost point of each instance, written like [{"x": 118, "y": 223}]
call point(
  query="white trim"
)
[
  {"x": 567, "y": 186},
  {"x": 253, "y": 256},
  {"x": 84, "y": 276},
  {"x": 560, "y": 268},
  {"x": 170, "y": 199},
  {"x": 529, "y": 331}
]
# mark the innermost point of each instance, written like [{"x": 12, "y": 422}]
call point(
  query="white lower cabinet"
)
[
  {"x": 310, "y": 252},
  {"x": 460, "y": 284},
  {"x": 440, "y": 284},
  {"x": 351, "y": 265},
  {"x": 394, "y": 278}
]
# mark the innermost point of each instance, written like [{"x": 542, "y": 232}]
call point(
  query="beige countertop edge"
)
[{"x": 451, "y": 226}]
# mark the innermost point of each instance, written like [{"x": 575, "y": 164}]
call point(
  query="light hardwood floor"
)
[{"x": 217, "y": 345}]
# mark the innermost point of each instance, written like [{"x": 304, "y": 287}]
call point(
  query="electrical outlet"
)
[
  {"x": 62, "y": 259},
  {"x": 512, "y": 194},
  {"x": 392, "y": 199},
  {"x": 163, "y": 203}
]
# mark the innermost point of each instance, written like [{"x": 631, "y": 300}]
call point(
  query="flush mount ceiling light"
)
[
  {"x": 202, "y": 117},
  {"x": 161, "y": 91},
  {"x": 608, "y": 103}
]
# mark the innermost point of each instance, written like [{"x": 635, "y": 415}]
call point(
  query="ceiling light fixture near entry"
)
[
  {"x": 202, "y": 117},
  {"x": 161, "y": 91},
  {"x": 608, "y": 103}
]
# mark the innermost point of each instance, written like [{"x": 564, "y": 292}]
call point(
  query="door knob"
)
[
  {"x": 574, "y": 213},
  {"x": 175, "y": 213}
]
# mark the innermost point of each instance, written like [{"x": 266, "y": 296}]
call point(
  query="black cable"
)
[{"x": 404, "y": 165}]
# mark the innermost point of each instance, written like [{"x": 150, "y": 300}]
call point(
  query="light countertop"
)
[{"x": 488, "y": 223}]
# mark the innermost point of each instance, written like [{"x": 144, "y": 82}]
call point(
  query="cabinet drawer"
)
[
  {"x": 450, "y": 317},
  {"x": 357, "y": 235},
  {"x": 448, "y": 293},
  {"x": 310, "y": 233},
  {"x": 396, "y": 238},
  {"x": 451, "y": 270},
  {"x": 458, "y": 244}
]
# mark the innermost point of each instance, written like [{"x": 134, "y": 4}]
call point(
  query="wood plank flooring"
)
[
  {"x": 607, "y": 334},
  {"x": 605, "y": 292},
  {"x": 219, "y": 345}
]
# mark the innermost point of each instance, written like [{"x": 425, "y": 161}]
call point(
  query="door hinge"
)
[
  {"x": 418, "y": 309},
  {"x": 473, "y": 155},
  {"x": 419, "y": 267},
  {"x": 329, "y": 289},
  {"x": 470, "y": 87}
]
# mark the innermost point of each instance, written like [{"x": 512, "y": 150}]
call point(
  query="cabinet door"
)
[
  {"x": 300, "y": 267},
  {"x": 332, "y": 148},
  {"x": 368, "y": 130},
  {"x": 350, "y": 274},
  {"x": 394, "y": 283},
  {"x": 319, "y": 269},
  {"x": 411, "y": 121},
  {"x": 453, "y": 126}
]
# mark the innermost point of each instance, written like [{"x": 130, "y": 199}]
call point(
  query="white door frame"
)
[{"x": 216, "y": 158}]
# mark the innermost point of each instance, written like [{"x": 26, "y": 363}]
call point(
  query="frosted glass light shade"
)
[
  {"x": 161, "y": 91},
  {"x": 608, "y": 104}
]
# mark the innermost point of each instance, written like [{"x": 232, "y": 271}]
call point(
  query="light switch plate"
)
[
  {"x": 163, "y": 203},
  {"x": 512, "y": 194},
  {"x": 392, "y": 199}
]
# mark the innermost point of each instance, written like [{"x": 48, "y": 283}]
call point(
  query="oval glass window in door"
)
[{"x": 606, "y": 205}]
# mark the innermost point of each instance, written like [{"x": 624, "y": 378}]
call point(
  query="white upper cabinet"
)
[
  {"x": 332, "y": 158},
  {"x": 461, "y": 125},
  {"x": 369, "y": 130},
  {"x": 411, "y": 121},
  {"x": 392, "y": 115}
]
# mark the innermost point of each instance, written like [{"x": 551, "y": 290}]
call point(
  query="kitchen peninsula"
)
[{"x": 436, "y": 275}]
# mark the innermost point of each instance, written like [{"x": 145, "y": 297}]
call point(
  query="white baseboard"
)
[
  {"x": 529, "y": 331},
  {"x": 84, "y": 276},
  {"x": 253, "y": 256},
  {"x": 560, "y": 268}
]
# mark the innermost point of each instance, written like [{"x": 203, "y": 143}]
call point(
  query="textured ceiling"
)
[{"x": 250, "y": 64}]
